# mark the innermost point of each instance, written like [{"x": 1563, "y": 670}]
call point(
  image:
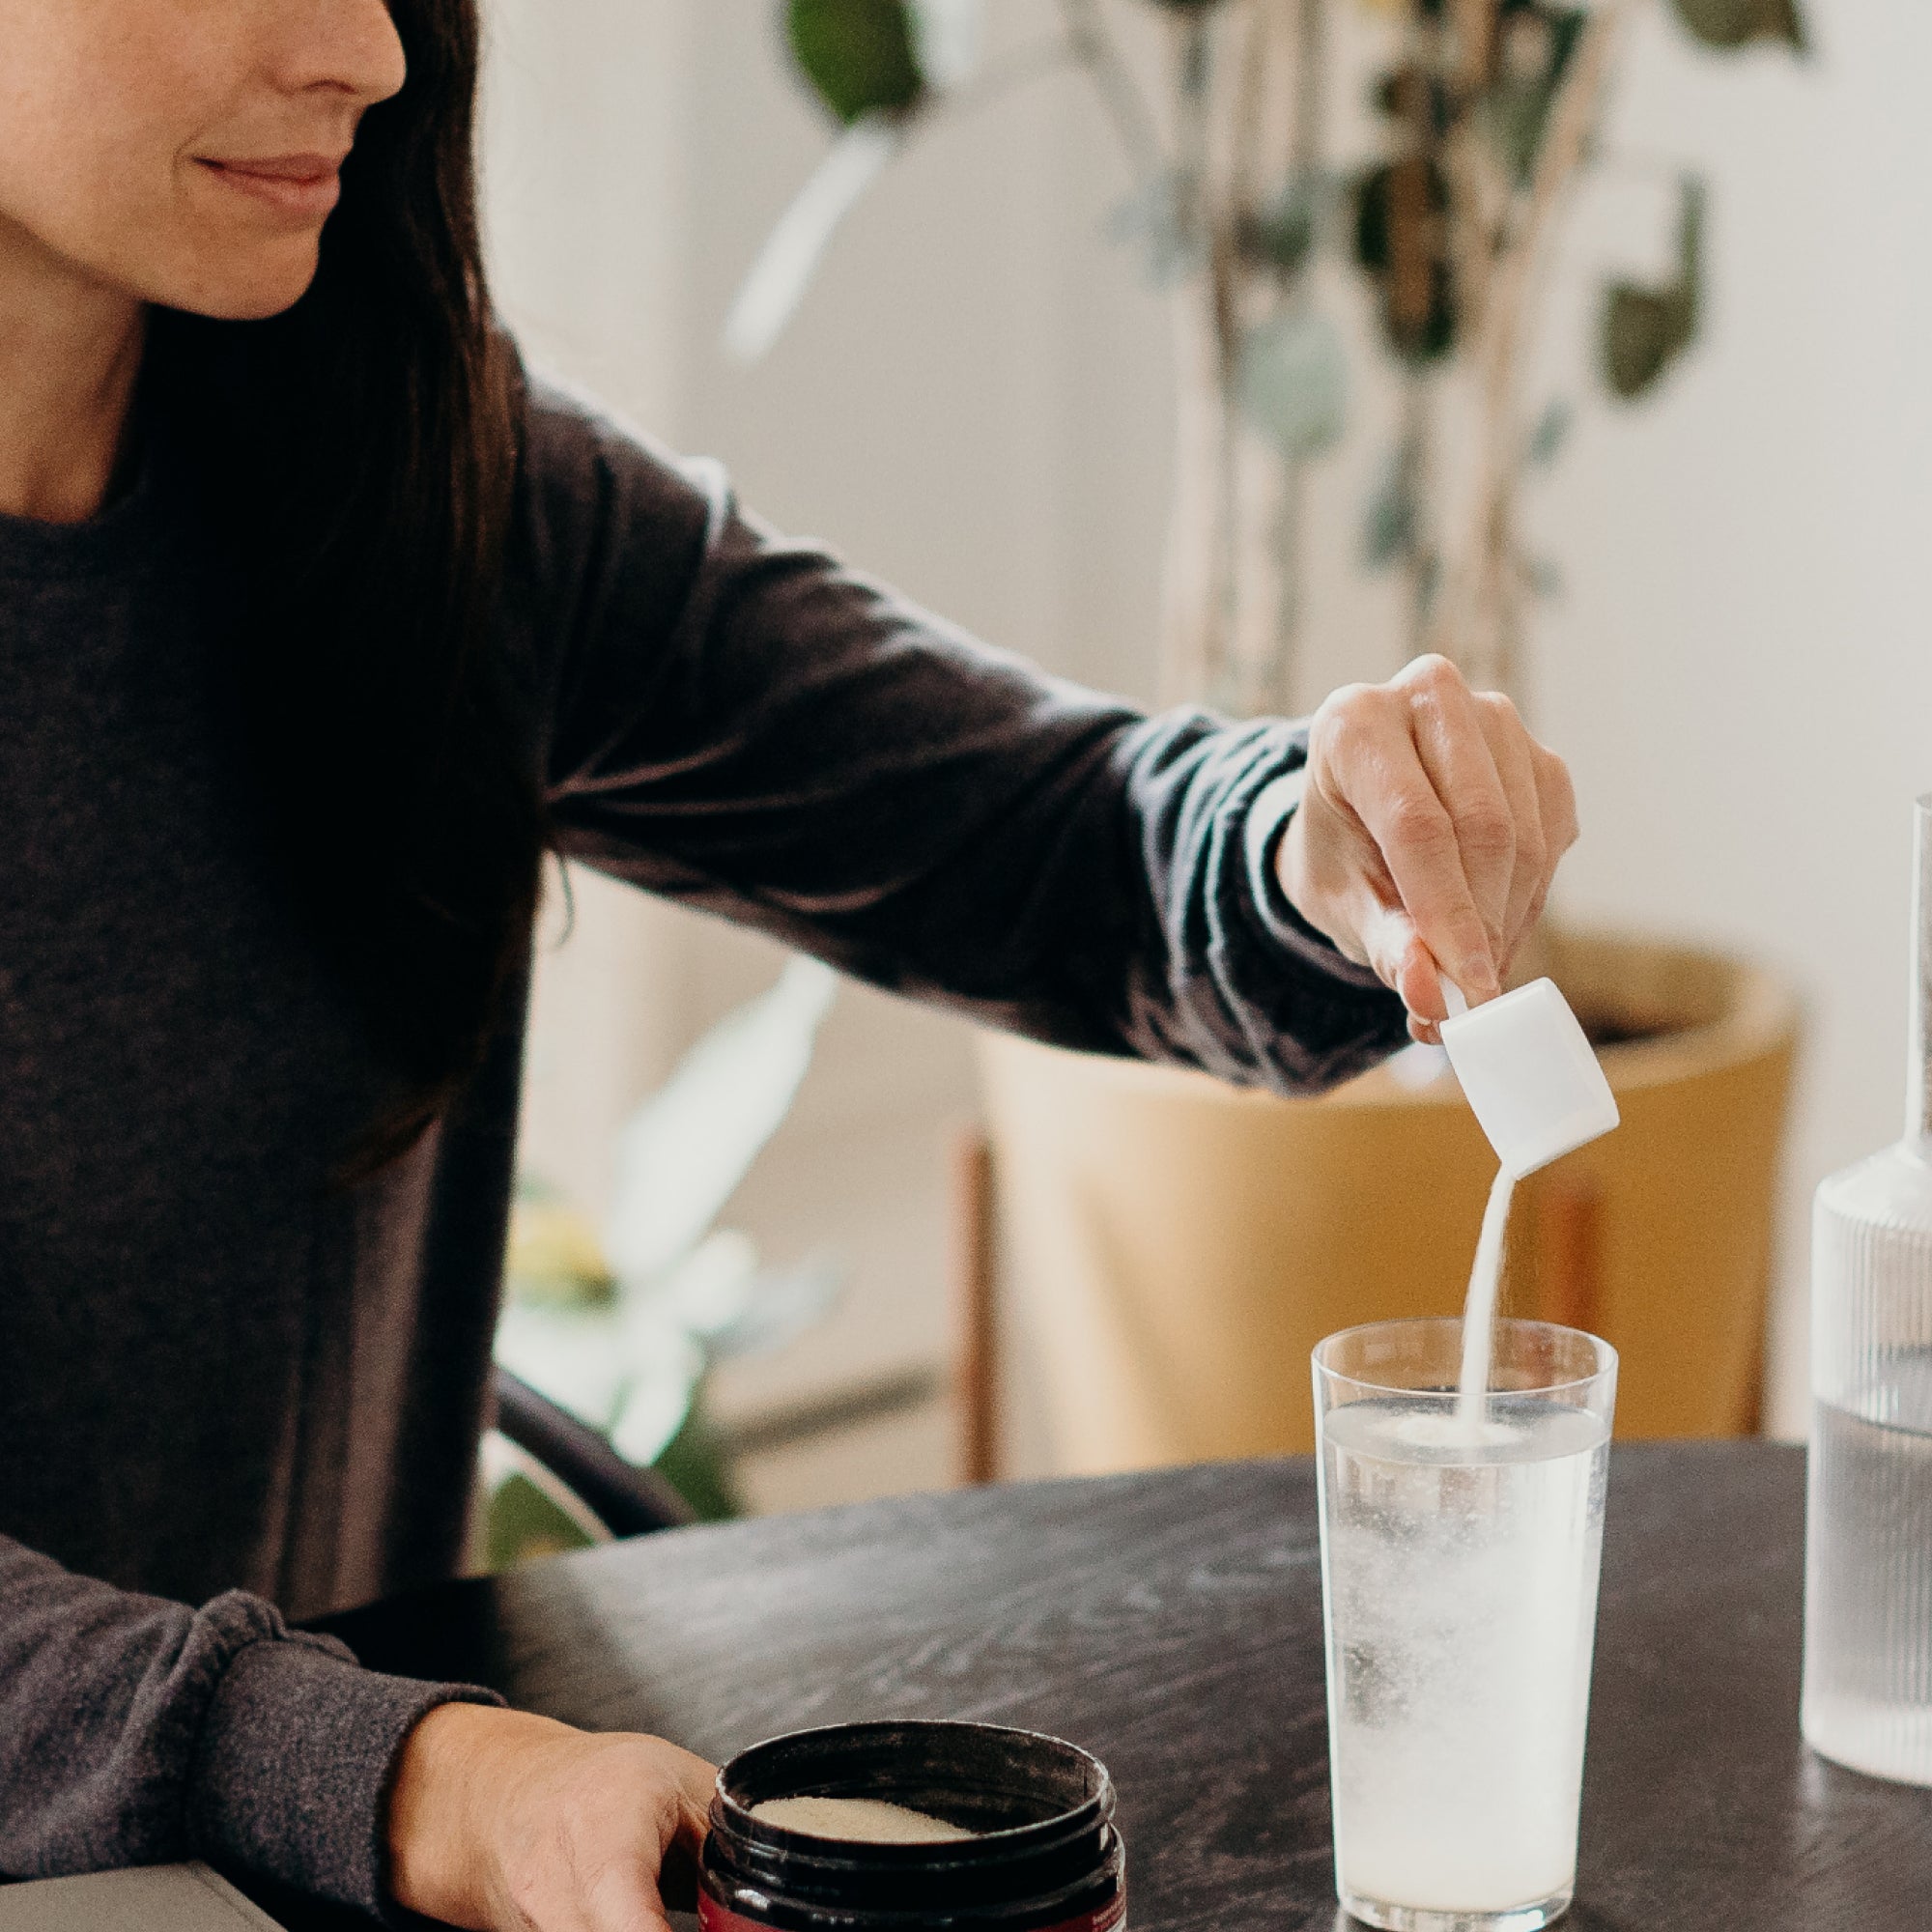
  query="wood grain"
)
[{"x": 1172, "y": 1623}]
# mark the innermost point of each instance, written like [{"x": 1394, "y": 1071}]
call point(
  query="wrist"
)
[
  {"x": 454, "y": 1771},
  {"x": 1291, "y": 865}
]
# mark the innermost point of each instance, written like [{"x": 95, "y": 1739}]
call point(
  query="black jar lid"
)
[{"x": 1045, "y": 1851}]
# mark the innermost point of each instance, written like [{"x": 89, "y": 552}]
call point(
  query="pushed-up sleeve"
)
[
  {"x": 740, "y": 721},
  {"x": 137, "y": 1731}
]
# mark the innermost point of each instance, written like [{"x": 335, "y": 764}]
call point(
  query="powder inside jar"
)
[{"x": 865, "y": 1821}]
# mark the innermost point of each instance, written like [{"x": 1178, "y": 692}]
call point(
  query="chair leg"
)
[{"x": 975, "y": 1308}]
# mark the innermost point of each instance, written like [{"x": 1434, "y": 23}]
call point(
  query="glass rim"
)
[{"x": 1606, "y": 1363}]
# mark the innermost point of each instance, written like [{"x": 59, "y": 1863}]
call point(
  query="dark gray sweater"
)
[{"x": 225, "y": 1385}]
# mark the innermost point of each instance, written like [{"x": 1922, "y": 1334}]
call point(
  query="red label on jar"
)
[{"x": 713, "y": 1918}]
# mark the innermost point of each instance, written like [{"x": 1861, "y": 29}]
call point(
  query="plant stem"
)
[
  {"x": 1133, "y": 121},
  {"x": 1479, "y": 617},
  {"x": 1308, "y": 50},
  {"x": 1415, "y": 454}
]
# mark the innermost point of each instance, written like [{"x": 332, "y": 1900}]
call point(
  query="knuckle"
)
[
  {"x": 1417, "y": 820},
  {"x": 1342, "y": 730},
  {"x": 1432, "y": 674},
  {"x": 1486, "y": 829},
  {"x": 1342, "y": 708}
]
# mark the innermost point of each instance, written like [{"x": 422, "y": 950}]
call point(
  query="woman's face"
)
[{"x": 184, "y": 151}]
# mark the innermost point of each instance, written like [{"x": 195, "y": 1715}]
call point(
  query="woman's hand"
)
[
  {"x": 502, "y": 1822},
  {"x": 1428, "y": 832}
]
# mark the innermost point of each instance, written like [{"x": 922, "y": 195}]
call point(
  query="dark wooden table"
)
[{"x": 1173, "y": 1622}]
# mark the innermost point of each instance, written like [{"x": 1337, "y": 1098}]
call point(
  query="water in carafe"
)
[{"x": 1867, "y": 1698}]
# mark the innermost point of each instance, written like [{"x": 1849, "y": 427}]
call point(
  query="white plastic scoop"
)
[{"x": 1528, "y": 1075}]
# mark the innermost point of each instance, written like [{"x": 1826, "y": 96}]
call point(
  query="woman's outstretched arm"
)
[{"x": 740, "y": 721}]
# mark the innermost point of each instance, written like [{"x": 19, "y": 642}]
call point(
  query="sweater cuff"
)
[
  {"x": 1274, "y": 804},
  {"x": 293, "y": 1768}
]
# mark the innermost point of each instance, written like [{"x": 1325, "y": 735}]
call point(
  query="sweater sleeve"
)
[
  {"x": 739, "y": 722},
  {"x": 137, "y": 1731}
]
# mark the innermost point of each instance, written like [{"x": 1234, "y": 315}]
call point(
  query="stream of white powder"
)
[{"x": 1479, "y": 1312}]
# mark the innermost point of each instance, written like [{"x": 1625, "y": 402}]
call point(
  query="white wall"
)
[
  {"x": 1741, "y": 669},
  {"x": 975, "y": 403},
  {"x": 587, "y": 201}
]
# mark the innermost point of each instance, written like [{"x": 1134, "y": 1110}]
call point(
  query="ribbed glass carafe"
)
[{"x": 1868, "y": 1536}]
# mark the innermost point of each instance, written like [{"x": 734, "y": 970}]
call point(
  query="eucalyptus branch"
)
[
  {"x": 1558, "y": 162},
  {"x": 1092, "y": 46},
  {"x": 1249, "y": 99},
  {"x": 1305, "y": 143},
  {"x": 1475, "y": 607}
]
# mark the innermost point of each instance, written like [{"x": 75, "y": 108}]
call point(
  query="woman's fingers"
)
[
  {"x": 623, "y": 1897},
  {"x": 678, "y": 1873},
  {"x": 1404, "y": 962},
  {"x": 1560, "y": 801},
  {"x": 1428, "y": 832},
  {"x": 506, "y": 1822},
  {"x": 1363, "y": 761},
  {"x": 1448, "y": 726},
  {"x": 1511, "y": 749}
]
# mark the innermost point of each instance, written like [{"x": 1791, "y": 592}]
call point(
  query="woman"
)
[{"x": 322, "y": 627}]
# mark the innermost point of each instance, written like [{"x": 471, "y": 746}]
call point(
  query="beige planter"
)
[{"x": 1178, "y": 1247}]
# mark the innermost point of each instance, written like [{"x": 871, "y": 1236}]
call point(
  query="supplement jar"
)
[{"x": 1043, "y": 1854}]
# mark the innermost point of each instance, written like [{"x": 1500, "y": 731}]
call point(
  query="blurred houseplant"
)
[
  {"x": 1485, "y": 115},
  {"x": 1196, "y": 1241},
  {"x": 622, "y": 1326}
]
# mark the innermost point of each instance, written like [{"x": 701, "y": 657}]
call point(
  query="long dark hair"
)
[{"x": 370, "y": 437}]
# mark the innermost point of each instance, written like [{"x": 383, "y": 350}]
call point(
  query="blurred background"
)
[{"x": 1717, "y": 612}]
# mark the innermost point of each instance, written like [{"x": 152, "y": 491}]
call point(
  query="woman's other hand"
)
[
  {"x": 502, "y": 1822},
  {"x": 1429, "y": 831}
]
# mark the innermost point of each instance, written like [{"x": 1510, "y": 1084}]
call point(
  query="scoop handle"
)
[{"x": 1452, "y": 995}]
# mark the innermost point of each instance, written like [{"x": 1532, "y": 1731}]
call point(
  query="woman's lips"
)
[{"x": 306, "y": 187}]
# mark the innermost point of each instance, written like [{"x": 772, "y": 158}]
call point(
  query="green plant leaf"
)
[
  {"x": 1739, "y": 23},
  {"x": 1372, "y": 223},
  {"x": 859, "y": 55},
  {"x": 1391, "y": 520},
  {"x": 1644, "y": 331},
  {"x": 1159, "y": 219},
  {"x": 1282, "y": 235},
  {"x": 1515, "y": 114},
  {"x": 523, "y": 1524},
  {"x": 681, "y": 1156},
  {"x": 1566, "y": 34},
  {"x": 1643, "y": 334},
  {"x": 1415, "y": 96},
  {"x": 1515, "y": 110},
  {"x": 697, "y": 1462},
  {"x": 1399, "y": 206},
  {"x": 1551, "y": 432},
  {"x": 1292, "y": 382}
]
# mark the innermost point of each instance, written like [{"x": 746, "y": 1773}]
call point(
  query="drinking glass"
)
[{"x": 1460, "y": 1545}]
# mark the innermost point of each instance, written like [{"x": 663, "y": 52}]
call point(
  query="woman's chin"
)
[{"x": 252, "y": 293}]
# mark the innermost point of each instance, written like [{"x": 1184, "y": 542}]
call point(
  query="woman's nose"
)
[{"x": 351, "y": 46}]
